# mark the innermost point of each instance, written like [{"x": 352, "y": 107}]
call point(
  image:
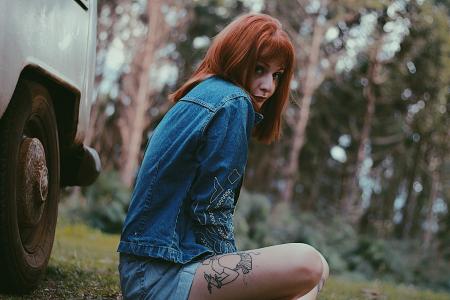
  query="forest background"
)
[{"x": 362, "y": 171}]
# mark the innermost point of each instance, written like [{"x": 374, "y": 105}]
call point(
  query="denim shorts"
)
[{"x": 155, "y": 279}]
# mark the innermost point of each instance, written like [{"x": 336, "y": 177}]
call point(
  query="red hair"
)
[{"x": 233, "y": 55}]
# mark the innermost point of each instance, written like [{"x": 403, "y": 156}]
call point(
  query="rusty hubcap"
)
[{"x": 33, "y": 181}]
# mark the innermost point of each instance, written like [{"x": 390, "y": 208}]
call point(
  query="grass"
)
[
  {"x": 344, "y": 289},
  {"x": 84, "y": 266}
]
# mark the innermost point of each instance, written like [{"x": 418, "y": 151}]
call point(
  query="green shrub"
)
[
  {"x": 259, "y": 224},
  {"x": 108, "y": 200},
  {"x": 250, "y": 220},
  {"x": 102, "y": 205}
]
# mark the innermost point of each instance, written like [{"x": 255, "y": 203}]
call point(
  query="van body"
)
[{"x": 47, "y": 70}]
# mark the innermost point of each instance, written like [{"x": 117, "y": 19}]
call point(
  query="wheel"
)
[{"x": 29, "y": 187}]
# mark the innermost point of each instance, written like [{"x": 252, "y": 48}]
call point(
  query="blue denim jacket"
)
[{"x": 183, "y": 202}]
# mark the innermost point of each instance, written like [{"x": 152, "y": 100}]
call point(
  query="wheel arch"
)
[{"x": 66, "y": 102}]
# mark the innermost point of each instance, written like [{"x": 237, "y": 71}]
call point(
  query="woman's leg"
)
[
  {"x": 312, "y": 295},
  {"x": 282, "y": 271}
]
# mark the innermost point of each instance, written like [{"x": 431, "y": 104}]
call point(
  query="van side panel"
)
[{"x": 50, "y": 34}]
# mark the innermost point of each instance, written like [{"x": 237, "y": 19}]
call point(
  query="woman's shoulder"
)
[
  {"x": 215, "y": 92},
  {"x": 222, "y": 84}
]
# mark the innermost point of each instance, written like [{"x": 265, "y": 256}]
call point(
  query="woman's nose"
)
[{"x": 266, "y": 84}]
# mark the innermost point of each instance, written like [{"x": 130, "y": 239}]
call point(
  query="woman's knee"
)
[
  {"x": 307, "y": 263},
  {"x": 326, "y": 267}
]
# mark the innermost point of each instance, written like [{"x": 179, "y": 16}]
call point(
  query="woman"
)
[{"x": 177, "y": 241}]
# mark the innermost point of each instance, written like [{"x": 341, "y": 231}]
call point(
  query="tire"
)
[{"x": 29, "y": 187}]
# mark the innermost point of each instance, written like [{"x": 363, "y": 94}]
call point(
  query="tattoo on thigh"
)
[{"x": 225, "y": 268}]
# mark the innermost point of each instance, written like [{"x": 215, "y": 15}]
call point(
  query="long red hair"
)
[{"x": 233, "y": 55}]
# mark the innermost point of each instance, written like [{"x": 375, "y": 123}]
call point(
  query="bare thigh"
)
[{"x": 280, "y": 271}]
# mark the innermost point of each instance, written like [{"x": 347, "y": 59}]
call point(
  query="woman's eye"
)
[
  {"x": 259, "y": 70},
  {"x": 277, "y": 75}
]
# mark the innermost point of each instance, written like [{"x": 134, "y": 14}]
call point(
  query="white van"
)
[{"x": 47, "y": 68}]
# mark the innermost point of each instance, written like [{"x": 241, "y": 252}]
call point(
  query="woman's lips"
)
[{"x": 259, "y": 99}]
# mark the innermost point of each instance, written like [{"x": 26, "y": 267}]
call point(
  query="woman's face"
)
[{"x": 264, "y": 81}]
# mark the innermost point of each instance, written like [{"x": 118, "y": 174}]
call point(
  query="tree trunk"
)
[
  {"x": 141, "y": 104},
  {"x": 97, "y": 118},
  {"x": 310, "y": 204},
  {"x": 410, "y": 202},
  {"x": 430, "y": 216},
  {"x": 298, "y": 138},
  {"x": 351, "y": 202}
]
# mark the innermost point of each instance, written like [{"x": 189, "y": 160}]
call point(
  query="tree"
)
[
  {"x": 309, "y": 22},
  {"x": 126, "y": 102}
]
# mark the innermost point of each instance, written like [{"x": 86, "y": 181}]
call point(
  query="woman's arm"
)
[{"x": 222, "y": 158}]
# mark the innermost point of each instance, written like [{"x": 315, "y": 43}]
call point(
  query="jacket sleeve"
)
[{"x": 222, "y": 158}]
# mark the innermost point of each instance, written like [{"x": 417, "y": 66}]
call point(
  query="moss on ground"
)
[{"x": 84, "y": 266}]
